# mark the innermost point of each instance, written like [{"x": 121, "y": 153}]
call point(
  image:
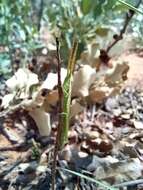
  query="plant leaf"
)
[
  {"x": 102, "y": 31},
  {"x": 109, "y": 4},
  {"x": 86, "y": 6}
]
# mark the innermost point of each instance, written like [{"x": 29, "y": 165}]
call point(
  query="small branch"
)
[
  {"x": 119, "y": 37},
  {"x": 23, "y": 146},
  {"x": 60, "y": 92}
]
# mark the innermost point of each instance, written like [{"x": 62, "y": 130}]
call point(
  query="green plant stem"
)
[
  {"x": 40, "y": 14},
  {"x": 64, "y": 106},
  {"x": 67, "y": 88}
]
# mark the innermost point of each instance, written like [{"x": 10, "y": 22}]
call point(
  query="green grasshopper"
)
[{"x": 67, "y": 87}]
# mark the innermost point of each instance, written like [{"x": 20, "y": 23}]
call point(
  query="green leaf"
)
[
  {"x": 102, "y": 31},
  {"x": 98, "y": 9},
  {"x": 101, "y": 184},
  {"x": 87, "y": 5}
]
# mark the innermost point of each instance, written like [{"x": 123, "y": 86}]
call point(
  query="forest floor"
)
[
  {"x": 135, "y": 74},
  {"x": 105, "y": 140}
]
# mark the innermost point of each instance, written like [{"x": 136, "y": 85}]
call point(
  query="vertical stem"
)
[
  {"x": 60, "y": 92},
  {"x": 40, "y": 14}
]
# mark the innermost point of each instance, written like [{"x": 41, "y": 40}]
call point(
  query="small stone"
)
[
  {"x": 22, "y": 179},
  {"x": 138, "y": 124},
  {"x": 94, "y": 134},
  {"x": 41, "y": 169},
  {"x": 117, "y": 112},
  {"x": 82, "y": 154},
  {"x": 125, "y": 116},
  {"x": 123, "y": 100},
  {"x": 2, "y": 158},
  {"x": 111, "y": 103},
  {"x": 129, "y": 111},
  {"x": 28, "y": 167},
  {"x": 126, "y": 130},
  {"x": 23, "y": 166}
]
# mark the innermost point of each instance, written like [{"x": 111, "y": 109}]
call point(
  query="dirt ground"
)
[
  {"x": 135, "y": 74},
  {"x": 135, "y": 79}
]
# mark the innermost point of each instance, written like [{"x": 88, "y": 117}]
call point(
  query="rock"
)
[
  {"x": 125, "y": 116},
  {"x": 94, "y": 134},
  {"x": 123, "y": 100},
  {"x": 2, "y": 158},
  {"x": 111, "y": 103},
  {"x": 22, "y": 179},
  {"x": 129, "y": 111},
  {"x": 41, "y": 169},
  {"x": 28, "y": 167},
  {"x": 126, "y": 130},
  {"x": 117, "y": 112},
  {"x": 138, "y": 124}
]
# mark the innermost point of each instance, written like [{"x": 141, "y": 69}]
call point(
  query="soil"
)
[
  {"x": 135, "y": 80},
  {"x": 135, "y": 74}
]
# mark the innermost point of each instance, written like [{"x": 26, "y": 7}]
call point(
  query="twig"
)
[
  {"x": 119, "y": 37},
  {"x": 60, "y": 92},
  {"x": 23, "y": 146}
]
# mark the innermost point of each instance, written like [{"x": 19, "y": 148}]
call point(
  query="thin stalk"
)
[
  {"x": 64, "y": 105},
  {"x": 67, "y": 88},
  {"x": 129, "y": 16},
  {"x": 40, "y": 14},
  {"x": 60, "y": 92}
]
